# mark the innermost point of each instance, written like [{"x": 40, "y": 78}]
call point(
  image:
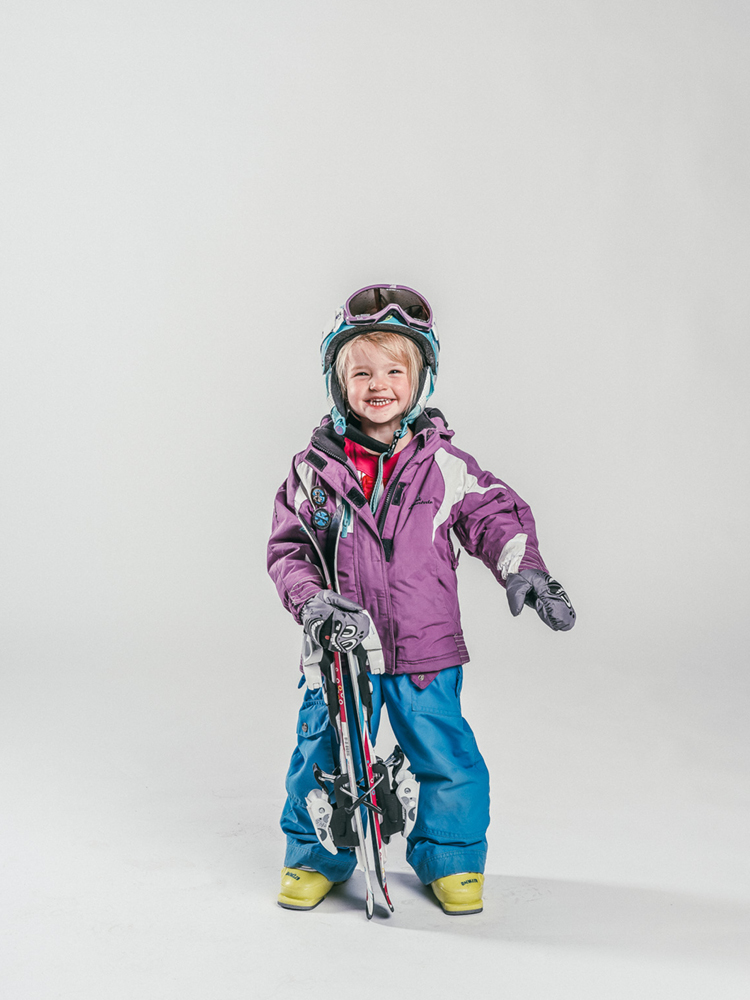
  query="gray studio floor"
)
[{"x": 141, "y": 859}]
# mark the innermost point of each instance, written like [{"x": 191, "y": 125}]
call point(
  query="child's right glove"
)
[
  {"x": 539, "y": 590},
  {"x": 334, "y": 622}
]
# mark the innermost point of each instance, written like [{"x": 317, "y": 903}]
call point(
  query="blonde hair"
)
[{"x": 396, "y": 346}]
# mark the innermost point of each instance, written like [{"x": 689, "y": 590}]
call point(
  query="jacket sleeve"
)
[
  {"x": 490, "y": 520},
  {"x": 292, "y": 557}
]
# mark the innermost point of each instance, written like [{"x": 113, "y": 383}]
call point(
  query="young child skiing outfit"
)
[{"x": 403, "y": 511}]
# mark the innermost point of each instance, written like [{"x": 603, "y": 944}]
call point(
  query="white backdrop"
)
[{"x": 189, "y": 191}]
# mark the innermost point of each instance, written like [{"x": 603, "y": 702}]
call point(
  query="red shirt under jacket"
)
[{"x": 366, "y": 464}]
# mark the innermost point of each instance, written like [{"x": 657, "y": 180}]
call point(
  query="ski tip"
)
[{"x": 387, "y": 897}]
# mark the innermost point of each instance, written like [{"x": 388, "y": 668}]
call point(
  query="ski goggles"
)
[{"x": 373, "y": 303}]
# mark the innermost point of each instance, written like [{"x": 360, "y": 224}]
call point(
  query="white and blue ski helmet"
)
[{"x": 390, "y": 309}]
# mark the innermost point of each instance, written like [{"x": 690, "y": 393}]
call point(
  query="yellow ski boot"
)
[
  {"x": 302, "y": 888},
  {"x": 461, "y": 893}
]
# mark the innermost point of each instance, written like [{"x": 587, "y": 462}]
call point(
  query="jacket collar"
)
[
  {"x": 327, "y": 455},
  {"x": 430, "y": 423}
]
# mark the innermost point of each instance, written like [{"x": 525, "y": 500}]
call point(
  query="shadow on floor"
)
[{"x": 570, "y": 914}]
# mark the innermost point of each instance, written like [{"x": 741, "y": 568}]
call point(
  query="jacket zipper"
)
[{"x": 392, "y": 489}]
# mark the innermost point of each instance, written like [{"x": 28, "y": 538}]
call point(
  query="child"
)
[{"x": 404, "y": 489}]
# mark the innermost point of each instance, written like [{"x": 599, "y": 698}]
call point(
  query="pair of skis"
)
[{"x": 387, "y": 791}]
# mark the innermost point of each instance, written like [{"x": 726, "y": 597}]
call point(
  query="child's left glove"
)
[{"x": 540, "y": 591}]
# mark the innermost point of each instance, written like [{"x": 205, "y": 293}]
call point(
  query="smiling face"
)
[{"x": 378, "y": 389}]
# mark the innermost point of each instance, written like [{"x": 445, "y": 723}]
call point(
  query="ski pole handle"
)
[
  {"x": 312, "y": 654},
  {"x": 372, "y": 646}
]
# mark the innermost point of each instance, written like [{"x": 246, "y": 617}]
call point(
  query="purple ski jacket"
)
[{"x": 399, "y": 563}]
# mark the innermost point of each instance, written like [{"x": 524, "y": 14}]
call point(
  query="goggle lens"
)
[{"x": 373, "y": 302}]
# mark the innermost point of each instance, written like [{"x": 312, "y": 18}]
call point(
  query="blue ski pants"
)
[{"x": 454, "y": 796}]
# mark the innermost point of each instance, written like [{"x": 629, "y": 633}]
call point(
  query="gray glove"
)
[
  {"x": 540, "y": 591},
  {"x": 334, "y": 622}
]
